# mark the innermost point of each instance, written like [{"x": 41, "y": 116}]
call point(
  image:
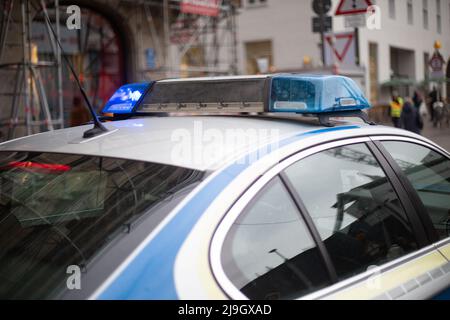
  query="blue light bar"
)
[
  {"x": 315, "y": 94},
  {"x": 126, "y": 98}
]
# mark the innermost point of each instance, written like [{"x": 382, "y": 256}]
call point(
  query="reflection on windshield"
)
[
  {"x": 356, "y": 212},
  {"x": 59, "y": 210},
  {"x": 429, "y": 174}
]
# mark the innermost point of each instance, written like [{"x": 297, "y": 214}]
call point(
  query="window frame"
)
[
  {"x": 410, "y": 12},
  {"x": 438, "y": 16},
  {"x": 407, "y": 185},
  {"x": 216, "y": 246},
  {"x": 425, "y": 15},
  {"x": 392, "y": 9}
]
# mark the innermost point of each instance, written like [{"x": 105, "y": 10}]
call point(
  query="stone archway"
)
[
  {"x": 118, "y": 23},
  {"x": 100, "y": 51}
]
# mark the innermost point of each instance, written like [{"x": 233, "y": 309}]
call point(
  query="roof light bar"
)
[{"x": 283, "y": 93}]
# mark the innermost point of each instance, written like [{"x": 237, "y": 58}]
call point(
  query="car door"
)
[
  {"x": 357, "y": 221},
  {"x": 424, "y": 170}
]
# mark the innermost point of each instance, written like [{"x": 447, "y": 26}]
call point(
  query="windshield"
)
[{"x": 59, "y": 210}]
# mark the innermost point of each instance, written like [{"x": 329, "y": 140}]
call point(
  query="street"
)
[{"x": 439, "y": 136}]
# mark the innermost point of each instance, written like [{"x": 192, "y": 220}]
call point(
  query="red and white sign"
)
[
  {"x": 342, "y": 47},
  {"x": 437, "y": 62},
  {"x": 347, "y": 7},
  {"x": 201, "y": 7}
]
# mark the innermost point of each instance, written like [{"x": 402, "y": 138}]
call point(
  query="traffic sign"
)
[
  {"x": 326, "y": 6},
  {"x": 201, "y": 7},
  {"x": 327, "y": 24},
  {"x": 347, "y": 7},
  {"x": 340, "y": 48},
  {"x": 355, "y": 21},
  {"x": 437, "y": 62}
]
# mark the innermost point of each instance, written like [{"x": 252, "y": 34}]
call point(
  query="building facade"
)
[{"x": 276, "y": 35}]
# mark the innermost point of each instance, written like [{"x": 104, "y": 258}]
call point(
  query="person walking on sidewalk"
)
[
  {"x": 396, "y": 109},
  {"x": 411, "y": 119},
  {"x": 417, "y": 99},
  {"x": 433, "y": 97}
]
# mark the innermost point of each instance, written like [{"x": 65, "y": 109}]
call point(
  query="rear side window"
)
[
  {"x": 354, "y": 208},
  {"x": 269, "y": 253},
  {"x": 59, "y": 210},
  {"x": 429, "y": 173}
]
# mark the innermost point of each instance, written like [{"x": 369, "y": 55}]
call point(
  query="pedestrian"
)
[
  {"x": 411, "y": 119},
  {"x": 417, "y": 99},
  {"x": 396, "y": 109},
  {"x": 432, "y": 99}
]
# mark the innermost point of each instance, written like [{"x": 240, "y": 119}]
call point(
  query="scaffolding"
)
[
  {"x": 28, "y": 105},
  {"x": 213, "y": 36}
]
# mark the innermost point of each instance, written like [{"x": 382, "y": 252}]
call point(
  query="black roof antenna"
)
[{"x": 98, "y": 128}]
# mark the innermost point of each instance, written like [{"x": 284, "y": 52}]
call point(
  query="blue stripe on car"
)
[
  {"x": 444, "y": 295},
  {"x": 150, "y": 274}
]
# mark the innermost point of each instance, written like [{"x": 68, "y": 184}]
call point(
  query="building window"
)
[
  {"x": 409, "y": 9},
  {"x": 425, "y": 14},
  {"x": 392, "y": 9},
  {"x": 438, "y": 16},
  {"x": 259, "y": 59}
]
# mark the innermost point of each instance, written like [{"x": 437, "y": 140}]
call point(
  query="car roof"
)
[{"x": 162, "y": 139}]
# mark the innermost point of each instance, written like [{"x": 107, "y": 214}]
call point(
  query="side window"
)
[
  {"x": 269, "y": 253},
  {"x": 354, "y": 208},
  {"x": 429, "y": 173}
]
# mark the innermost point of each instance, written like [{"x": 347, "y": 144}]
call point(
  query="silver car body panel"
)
[{"x": 158, "y": 139}]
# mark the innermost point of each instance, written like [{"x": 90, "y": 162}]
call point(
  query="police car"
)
[{"x": 264, "y": 187}]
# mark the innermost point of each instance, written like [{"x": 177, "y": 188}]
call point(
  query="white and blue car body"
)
[{"x": 215, "y": 188}]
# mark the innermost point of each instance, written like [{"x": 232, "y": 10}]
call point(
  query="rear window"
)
[{"x": 59, "y": 210}]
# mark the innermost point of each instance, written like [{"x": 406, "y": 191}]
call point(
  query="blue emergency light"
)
[
  {"x": 126, "y": 98},
  {"x": 315, "y": 94}
]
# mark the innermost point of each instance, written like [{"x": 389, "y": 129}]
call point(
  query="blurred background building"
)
[
  {"x": 123, "y": 41},
  {"x": 397, "y": 55},
  {"x": 118, "y": 41}
]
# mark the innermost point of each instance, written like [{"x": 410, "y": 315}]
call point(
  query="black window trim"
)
[
  {"x": 431, "y": 234},
  {"x": 314, "y": 233},
  {"x": 402, "y": 194}
]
